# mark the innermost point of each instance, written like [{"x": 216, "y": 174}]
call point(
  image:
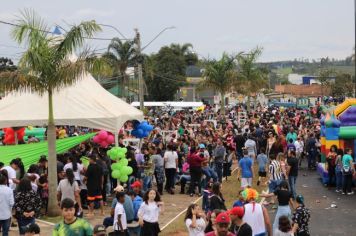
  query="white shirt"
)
[
  {"x": 199, "y": 228},
  {"x": 11, "y": 173},
  {"x": 170, "y": 157},
  {"x": 149, "y": 212},
  {"x": 299, "y": 145},
  {"x": 6, "y": 202},
  {"x": 76, "y": 173},
  {"x": 119, "y": 210},
  {"x": 254, "y": 217}
]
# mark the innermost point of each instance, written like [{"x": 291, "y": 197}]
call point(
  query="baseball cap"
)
[
  {"x": 201, "y": 145},
  {"x": 119, "y": 188},
  {"x": 136, "y": 184},
  {"x": 99, "y": 230},
  {"x": 237, "y": 211},
  {"x": 222, "y": 218}
]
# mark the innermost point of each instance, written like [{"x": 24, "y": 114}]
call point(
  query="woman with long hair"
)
[
  {"x": 69, "y": 188},
  {"x": 75, "y": 166},
  {"x": 148, "y": 213},
  {"x": 338, "y": 170},
  {"x": 331, "y": 158},
  {"x": 217, "y": 200},
  {"x": 194, "y": 220},
  {"x": 211, "y": 220},
  {"x": 284, "y": 227},
  {"x": 27, "y": 205}
]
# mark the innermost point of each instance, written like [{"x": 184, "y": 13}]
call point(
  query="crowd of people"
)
[{"x": 194, "y": 150}]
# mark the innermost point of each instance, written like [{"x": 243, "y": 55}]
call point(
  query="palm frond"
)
[{"x": 75, "y": 37}]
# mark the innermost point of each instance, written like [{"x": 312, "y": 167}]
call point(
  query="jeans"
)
[
  {"x": 195, "y": 175},
  {"x": 347, "y": 183},
  {"x": 170, "y": 174},
  {"x": 5, "y": 226},
  {"x": 331, "y": 174},
  {"x": 281, "y": 211},
  {"x": 147, "y": 180},
  {"x": 219, "y": 170},
  {"x": 273, "y": 185},
  {"x": 311, "y": 160},
  {"x": 135, "y": 231},
  {"x": 209, "y": 173},
  {"x": 22, "y": 222},
  {"x": 292, "y": 180},
  {"x": 183, "y": 180},
  {"x": 338, "y": 175}
]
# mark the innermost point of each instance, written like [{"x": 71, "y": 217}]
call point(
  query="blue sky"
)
[{"x": 286, "y": 29}]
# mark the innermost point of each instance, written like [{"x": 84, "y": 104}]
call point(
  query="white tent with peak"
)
[{"x": 86, "y": 103}]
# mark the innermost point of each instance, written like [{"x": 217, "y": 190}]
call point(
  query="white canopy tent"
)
[{"x": 86, "y": 104}]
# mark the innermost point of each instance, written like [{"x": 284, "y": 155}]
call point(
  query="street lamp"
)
[
  {"x": 116, "y": 29},
  {"x": 162, "y": 31}
]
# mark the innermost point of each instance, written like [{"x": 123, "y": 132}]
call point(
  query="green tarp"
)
[{"x": 30, "y": 153}]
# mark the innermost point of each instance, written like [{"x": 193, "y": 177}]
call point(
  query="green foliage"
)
[
  {"x": 184, "y": 50},
  {"x": 6, "y": 64},
  {"x": 164, "y": 73},
  {"x": 344, "y": 85},
  {"x": 220, "y": 75}
]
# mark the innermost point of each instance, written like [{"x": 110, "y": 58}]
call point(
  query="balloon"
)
[
  {"x": 121, "y": 155},
  {"x": 104, "y": 144},
  {"x": 116, "y": 174},
  {"x": 96, "y": 139},
  {"x": 102, "y": 135},
  {"x": 123, "y": 150},
  {"x": 127, "y": 170},
  {"x": 149, "y": 128},
  {"x": 123, "y": 162},
  {"x": 139, "y": 132},
  {"x": 146, "y": 133},
  {"x": 110, "y": 139},
  {"x": 115, "y": 166},
  {"x": 124, "y": 178}
]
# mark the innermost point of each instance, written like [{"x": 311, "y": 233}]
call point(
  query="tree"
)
[
  {"x": 6, "y": 64},
  {"x": 324, "y": 78},
  {"x": 251, "y": 78},
  {"x": 164, "y": 74},
  {"x": 120, "y": 55},
  {"x": 220, "y": 75},
  {"x": 184, "y": 50},
  {"x": 47, "y": 66},
  {"x": 343, "y": 86}
]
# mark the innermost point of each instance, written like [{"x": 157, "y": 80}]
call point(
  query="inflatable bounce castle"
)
[{"x": 337, "y": 128}]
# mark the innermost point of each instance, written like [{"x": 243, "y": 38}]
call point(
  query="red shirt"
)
[{"x": 194, "y": 160}]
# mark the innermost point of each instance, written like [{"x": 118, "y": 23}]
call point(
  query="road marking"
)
[{"x": 182, "y": 212}]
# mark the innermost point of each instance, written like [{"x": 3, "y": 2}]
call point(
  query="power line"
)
[{"x": 45, "y": 31}]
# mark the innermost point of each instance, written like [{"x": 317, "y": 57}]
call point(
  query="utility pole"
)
[{"x": 139, "y": 68}]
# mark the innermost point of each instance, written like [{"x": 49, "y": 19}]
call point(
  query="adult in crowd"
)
[
  {"x": 348, "y": 171},
  {"x": 6, "y": 204},
  {"x": 27, "y": 205},
  {"x": 94, "y": 182},
  {"x": 171, "y": 167},
  {"x": 292, "y": 171},
  {"x": 222, "y": 222},
  {"x": 238, "y": 226},
  {"x": 245, "y": 170},
  {"x": 219, "y": 155},
  {"x": 195, "y": 160},
  {"x": 301, "y": 218},
  {"x": 217, "y": 200}
]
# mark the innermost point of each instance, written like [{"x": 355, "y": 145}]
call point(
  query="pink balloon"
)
[
  {"x": 96, "y": 139},
  {"x": 103, "y": 135},
  {"x": 104, "y": 144},
  {"x": 110, "y": 139}
]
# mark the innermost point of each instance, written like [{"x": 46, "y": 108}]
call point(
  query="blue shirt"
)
[
  {"x": 262, "y": 162},
  {"x": 245, "y": 165},
  {"x": 6, "y": 202},
  {"x": 128, "y": 207},
  {"x": 238, "y": 203},
  {"x": 136, "y": 205}
]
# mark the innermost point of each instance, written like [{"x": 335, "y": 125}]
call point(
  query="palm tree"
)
[
  {"x": 251, "y": 78},
  {"x": 220, "y": 75},
  {"x": 185, "y": 51},
  {"x": 47, "y": 66},
  {"x": 120, "y": 55}
]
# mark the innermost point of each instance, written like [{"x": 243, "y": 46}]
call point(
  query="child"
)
[
  {"x": 284, "y": 228},
  {"x": 149, "y": 212},
  {"x": 120, "y": 222},
  {"x": 241, "y": 201},
  {"x": 262, "y": 164},
  {"x": 206, "y": 195},
  {"x": 43, "y": 190}
]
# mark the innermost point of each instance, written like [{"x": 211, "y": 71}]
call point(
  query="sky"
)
[{"x": 286, "y": 29}]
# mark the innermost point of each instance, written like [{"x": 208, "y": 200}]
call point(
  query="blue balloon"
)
[
  {"x": 146, "y": 133},
  {"x": 149, "y": 128}
]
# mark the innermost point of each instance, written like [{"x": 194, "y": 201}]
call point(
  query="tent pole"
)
[{"x": 116, "y": 134}]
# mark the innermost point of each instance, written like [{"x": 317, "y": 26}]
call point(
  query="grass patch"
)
[{"x": 230, "y": 191}]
